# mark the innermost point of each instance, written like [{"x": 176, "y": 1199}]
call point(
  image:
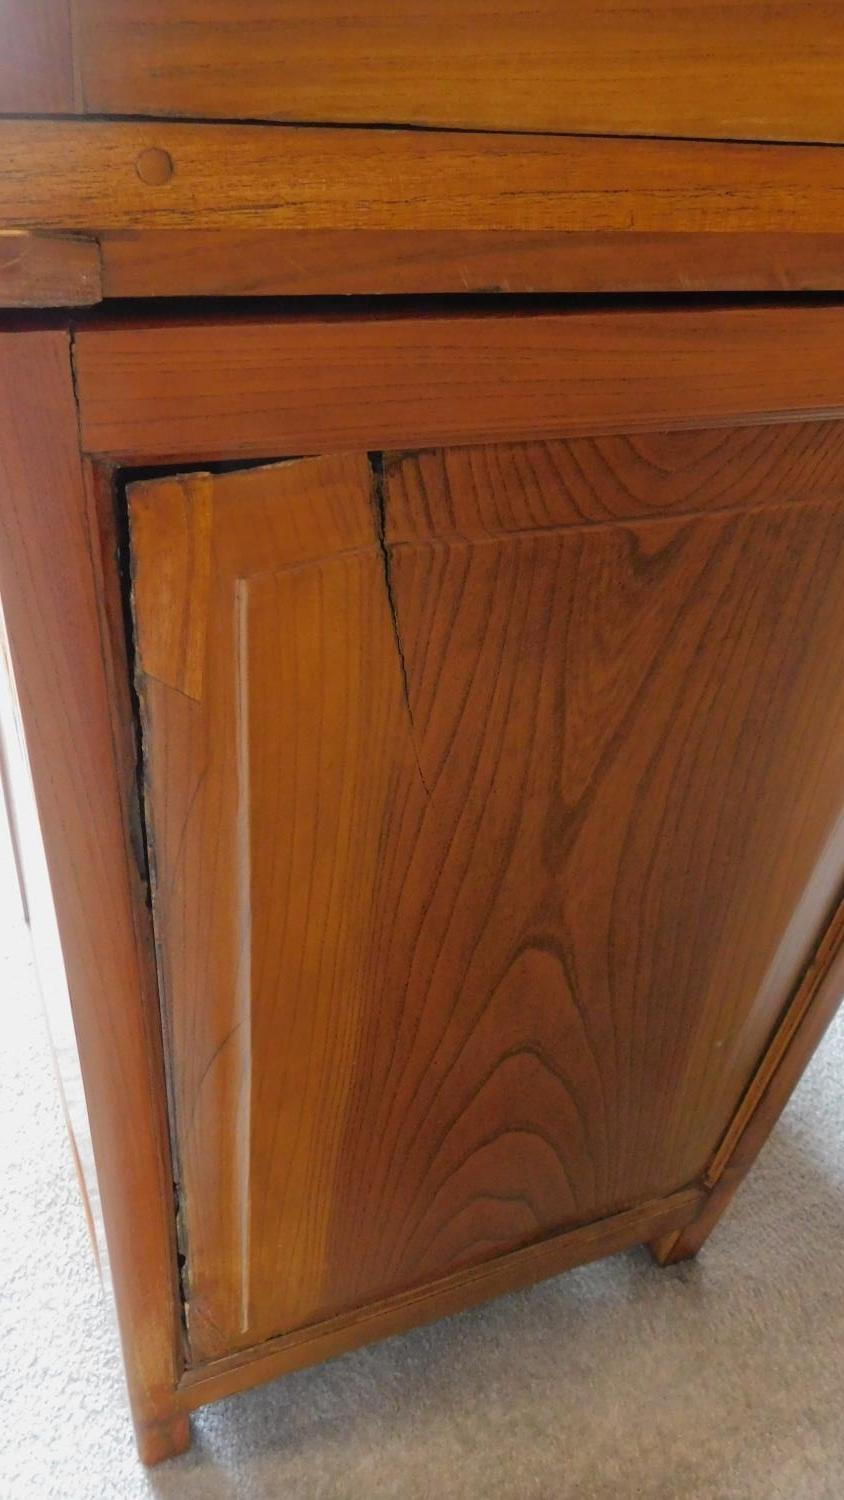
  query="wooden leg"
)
[
  {"x": 684, "y": 1244},
  {"x": 672, "y": 1248},
  {"x": 166, "y": 1438},
  {"x": 800, "y": 1032}
]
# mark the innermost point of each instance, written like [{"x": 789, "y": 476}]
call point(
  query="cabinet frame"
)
[{"x": 116, "y": 394}]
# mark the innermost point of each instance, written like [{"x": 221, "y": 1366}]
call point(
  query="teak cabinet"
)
[
  {"x": 467, "y": 853},
  {"x": 434, "y": 700}
]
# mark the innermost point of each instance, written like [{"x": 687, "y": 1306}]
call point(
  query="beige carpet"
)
[{"x": 724, "y": 1379}]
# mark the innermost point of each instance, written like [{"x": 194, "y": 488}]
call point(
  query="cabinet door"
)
[{"x": 493, "y": 803}]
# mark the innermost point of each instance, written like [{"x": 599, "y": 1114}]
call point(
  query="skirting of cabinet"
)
[
  {"x": 281, "y": 1356},
  {"x": 674, "y": 462}
]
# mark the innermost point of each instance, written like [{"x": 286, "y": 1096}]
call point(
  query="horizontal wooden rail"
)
[
  {"x": 192, "y": 390},
  {"x": 95, "y": 176},
  {"x": 373, "y": 262}
]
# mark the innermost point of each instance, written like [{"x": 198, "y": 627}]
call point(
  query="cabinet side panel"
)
[{"x": 53, "y": 619}]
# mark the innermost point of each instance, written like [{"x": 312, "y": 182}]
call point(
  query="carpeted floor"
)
[{"x": 724, "y": 1379}]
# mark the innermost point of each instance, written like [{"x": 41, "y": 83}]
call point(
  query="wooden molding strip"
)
[
  {"x": 49, "y": 269},
  {"x": 450, "y": 1294},
  {"x": 373, "y": 262},
  {"x": 96, "y": 176},
  {"x": 307, "y": 384}
]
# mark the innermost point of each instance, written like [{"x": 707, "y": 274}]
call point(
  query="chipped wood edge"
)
[{"x": 49, "y": 269}]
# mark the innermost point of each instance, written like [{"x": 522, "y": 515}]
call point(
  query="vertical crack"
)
[
  {"x": 182, "y": 1264},
  {"x": 379, "y": 500},
  {"x": 379, "y": 506}
]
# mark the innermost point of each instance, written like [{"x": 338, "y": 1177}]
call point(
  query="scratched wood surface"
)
[{"x": 494, "y": 799}]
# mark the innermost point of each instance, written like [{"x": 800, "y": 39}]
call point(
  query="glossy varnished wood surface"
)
[
  {"x": 741, "y": 69},
  {"x": 155, "y": 391},
  {"x": 464, "y": 786},
  {"x": 92, "y": 176}
]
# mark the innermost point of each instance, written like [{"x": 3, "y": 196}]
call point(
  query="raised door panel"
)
[{"x": 493, "y": 803}]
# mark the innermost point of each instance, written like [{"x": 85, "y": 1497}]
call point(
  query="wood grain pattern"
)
[
  {"x": 743, "y": 69},
  {"x": 48, "y": 270},
  {"x": 161, "y": 392},
  {"x": 84, "y": 786},
  {"x": 84, "y": 175},
  {"x": 208, "y": 807},
  {"x": 36, "y": 57},
  {"x": 451, "y": 1294},
  {"x": 499, "y": 759},
  {"x": 373, "y": 262},
  {"x": 174, "y": 599},
  {"x": 740, "y": 529}
]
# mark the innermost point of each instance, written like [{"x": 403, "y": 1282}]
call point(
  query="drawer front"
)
[
  {"x": 741, "y": 69},
  {"x": 493, "y": 798}
]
